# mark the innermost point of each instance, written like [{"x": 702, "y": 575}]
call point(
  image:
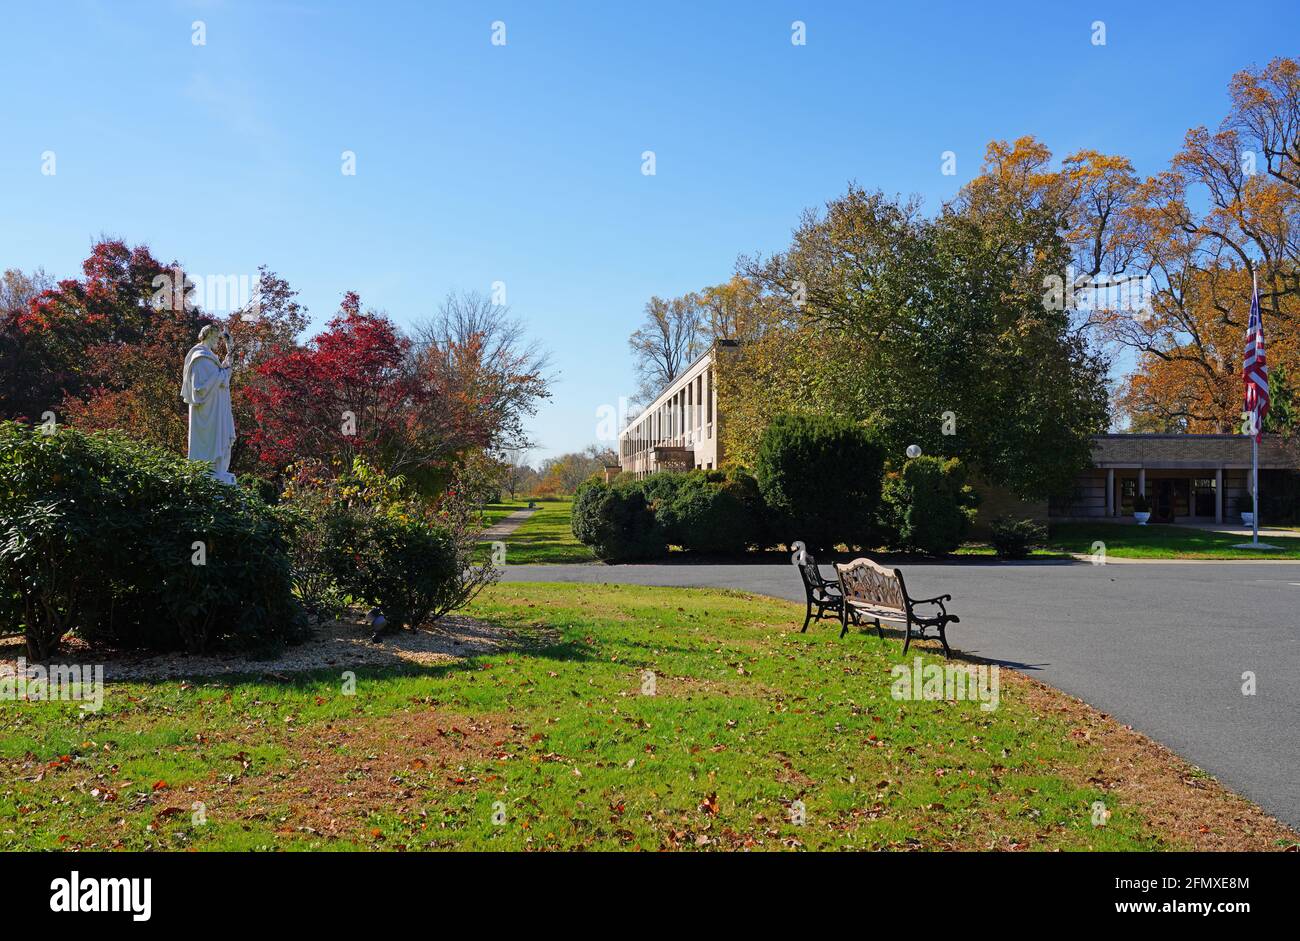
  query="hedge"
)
[
  {"x": 128, "y": 545},
  {"x": 617, "y": 522},
  {"x": 820, "y": 476}
]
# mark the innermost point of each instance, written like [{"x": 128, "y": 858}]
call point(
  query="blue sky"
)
[{"x": 521, "y": 163}]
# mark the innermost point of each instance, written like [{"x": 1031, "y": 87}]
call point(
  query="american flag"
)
[{"x": 1254, "y": 370}]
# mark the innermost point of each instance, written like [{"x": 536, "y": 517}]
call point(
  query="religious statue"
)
[{"x": 205, "y": 388}]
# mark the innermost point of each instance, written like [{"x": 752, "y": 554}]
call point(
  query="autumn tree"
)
[
  {"x": 463, "y": 385},
  {"x": 475, "y": 360},
  {"x": 68, "y": 329},
  {"x": 1227, "y": 208},
  {"x": 349, "y": 392},
  {"x": 21, "y": 365}
]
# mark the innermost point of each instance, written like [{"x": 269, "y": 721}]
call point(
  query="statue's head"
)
[{"x": 210, "y": 334}]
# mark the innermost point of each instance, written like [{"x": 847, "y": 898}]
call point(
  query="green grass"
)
[
  {"x": 1130, "y": 541},
  {"x": 547, "y": 536},
  {"x": 748, "y": 716},
  {"x": 983, "y": 550}
]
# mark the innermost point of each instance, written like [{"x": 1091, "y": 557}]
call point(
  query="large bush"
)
[
  {"x": 705, "y": 511},
  {"x": 617, "y": 522},
  {"x": 129, "y": 545},
  {"x": 928, "y": 507},
  {"x": 406, "y": 568},
  {"x": 820, "y": 477}
]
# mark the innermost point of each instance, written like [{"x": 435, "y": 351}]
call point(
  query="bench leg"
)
[
  {"x": 907, "y": 635},
  {"x": 943, "y": 636},
  {"x": 880, "y": 631},
  {"x": 844, "y": 619},
  {"x": 806, "y": 618}
]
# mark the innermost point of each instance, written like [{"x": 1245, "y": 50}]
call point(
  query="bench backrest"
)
[
  {"x": 812, "y": 578},
  {"x": 864, "y": 580}
]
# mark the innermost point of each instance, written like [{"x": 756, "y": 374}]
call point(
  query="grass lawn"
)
[
  {"x": 1130, "y": 541},
  {"x": 985, "y": 551},
  {"x": 547, "y": 536},
  {"x": 550, "y": 743}
]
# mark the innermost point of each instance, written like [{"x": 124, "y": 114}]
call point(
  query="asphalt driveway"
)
[{"x": 1160, "y": 646}]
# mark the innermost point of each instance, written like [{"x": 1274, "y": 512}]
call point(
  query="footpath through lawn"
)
[{"x": 617, "y": 717}]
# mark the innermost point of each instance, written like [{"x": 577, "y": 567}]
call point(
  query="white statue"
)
[{"x": 205, "y": 387}]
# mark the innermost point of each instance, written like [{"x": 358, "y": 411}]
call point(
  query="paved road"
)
[{"x": 1160, "y": 646}]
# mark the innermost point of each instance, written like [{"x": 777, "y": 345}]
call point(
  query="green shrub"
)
[
  {"x": 1014, "y": 538},
  {"x": 928, "y": 507},
  {"x": 129, "y": 545},
  {"x": 617, "y": 522},
  {"x": 820, "y": 478},
  {"x": 406, "y": 568},
  {"x": 706, "y": 512}
]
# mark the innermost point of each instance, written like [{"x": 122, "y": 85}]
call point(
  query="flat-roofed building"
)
[
  {"x": 679, "y": 429},
  {"x": 1200, "y": 478}
]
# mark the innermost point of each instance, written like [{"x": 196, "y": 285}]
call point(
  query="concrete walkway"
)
[
  {"x": 1239, "y": 530},
  {"x": 506, "y": 526},
  {"x": 1160, "y": 646}
]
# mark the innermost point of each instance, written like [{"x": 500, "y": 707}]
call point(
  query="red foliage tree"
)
[
  {"x": 64, "y": 326},
  {"x": 350, "y": 391}
]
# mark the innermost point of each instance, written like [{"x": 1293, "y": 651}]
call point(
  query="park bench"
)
[
  {"x": 873, "y": 591},
  {"x": 821, "y": 593}
]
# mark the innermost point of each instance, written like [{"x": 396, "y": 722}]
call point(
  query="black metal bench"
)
[
  {"x": 821, "y": 593},
  {"x": 873, "y": 591}
]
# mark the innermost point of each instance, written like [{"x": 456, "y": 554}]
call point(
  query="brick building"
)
[{"x": 1204, "y": 478}]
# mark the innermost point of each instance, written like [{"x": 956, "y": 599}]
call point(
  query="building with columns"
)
[
  {"x": 1187, "y": 478},
  {"x": 1198, "y": 478},
  {"x": 679, "y": 429}
]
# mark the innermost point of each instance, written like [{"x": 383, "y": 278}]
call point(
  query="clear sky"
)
[{"x": 522, "y": 163}]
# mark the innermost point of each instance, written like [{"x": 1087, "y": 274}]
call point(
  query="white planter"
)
[
  {"x": 1142, "y": 518},
  {"x": 1248, "y": 519}
]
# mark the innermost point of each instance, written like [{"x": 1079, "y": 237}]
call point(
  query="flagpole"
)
[
  {"x": 1256, "y": 431},
  {"x": 1254, "y": 485}
]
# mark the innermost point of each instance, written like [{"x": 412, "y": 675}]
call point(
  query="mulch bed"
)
[{"x": 334, "y": 644}]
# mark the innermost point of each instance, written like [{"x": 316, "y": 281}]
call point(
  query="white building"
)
[{"x": 679, "y": 429}]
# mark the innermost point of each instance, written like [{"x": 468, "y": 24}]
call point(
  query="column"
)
[
  {"x": 1110, "y": 491},
  {"x": 1218, "y": 495},
  {"x": 1142, "y": 481}
]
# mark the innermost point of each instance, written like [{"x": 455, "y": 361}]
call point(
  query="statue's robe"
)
[{"x": 205, "y": 388}]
